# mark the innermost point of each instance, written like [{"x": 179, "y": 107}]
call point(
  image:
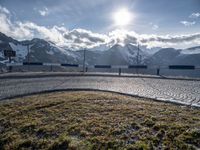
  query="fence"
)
[{"x": 108, "y": 67}]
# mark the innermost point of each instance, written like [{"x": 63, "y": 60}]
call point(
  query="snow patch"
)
[
  {"x": 191, "y": 51},
  {"x": 4, "y": 61},
  {"x": 51, "y": 52},
  {"x": 61, "y": 50},
  {"x": 21, "y": 50},
  {"x": 1, "y": 54}
]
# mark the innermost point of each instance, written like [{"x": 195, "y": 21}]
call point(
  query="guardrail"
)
[
  {"x": 182, "y": 67},
  {"x": 138, "y": 66},
  {"x": 102, "y": 66},
  {"x": 158, "y": 68}
]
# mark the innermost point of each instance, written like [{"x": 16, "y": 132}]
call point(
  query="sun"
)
[{"x": 122, "y": 17}]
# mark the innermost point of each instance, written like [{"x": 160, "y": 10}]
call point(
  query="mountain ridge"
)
[{"x": 46, "y": 51}]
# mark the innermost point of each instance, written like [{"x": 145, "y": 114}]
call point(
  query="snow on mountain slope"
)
[
  {"x": 121, "y": 55},
  {"x": 1, "y": 55},
  {"x": 130, "y": 53},
  {"x": 64, "y": 51},
  {"x": 192, "y": 50},
  {"x": 46, "y": 51},
  {"x": 21, "y": 50}
]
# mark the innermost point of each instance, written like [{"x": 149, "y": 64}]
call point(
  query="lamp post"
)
[
  {"x": 138, "y": 54},
  {"x": 28, "y": 56},
  {"x": 28, "y": 53},
  {"x": 84, "y": 53}
]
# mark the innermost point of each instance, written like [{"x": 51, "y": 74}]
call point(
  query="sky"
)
[{"x": 81, "y": 24}]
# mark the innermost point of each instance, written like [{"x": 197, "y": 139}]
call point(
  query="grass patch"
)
[{"x": 96, "y": 120}]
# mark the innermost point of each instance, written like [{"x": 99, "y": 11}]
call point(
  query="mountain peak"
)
[
  {"x": 46, "y": 51},
  {"x": 5, "y": 38},
  {"x": 35, "y": 40}
]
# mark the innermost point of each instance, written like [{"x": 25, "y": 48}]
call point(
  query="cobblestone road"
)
[{"x": 181, "y": 91}]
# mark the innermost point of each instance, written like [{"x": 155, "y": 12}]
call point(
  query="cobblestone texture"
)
[{"x": 181, "y": 91}]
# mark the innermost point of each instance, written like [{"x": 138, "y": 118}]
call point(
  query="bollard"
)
[
  {"x": 120, "y": 70},
  {"x": 158, "y": 71},
  {"x": 10, "y": 68}
]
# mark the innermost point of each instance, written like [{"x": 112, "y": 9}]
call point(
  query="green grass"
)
[{"x": 96, "y": 120}]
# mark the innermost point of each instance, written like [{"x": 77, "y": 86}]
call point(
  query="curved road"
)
[{"x": 180, "y": 91}]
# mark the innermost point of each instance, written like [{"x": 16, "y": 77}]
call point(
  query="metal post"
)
[
  {"x": 120, "y": 70},
  {"x": 28, "y": 57},
  {"x": 84, "y": 60},
  {"x": 138, "y": 53},
  {"x": 158, "y": 71},
  {"x": 10, "y": 67}
]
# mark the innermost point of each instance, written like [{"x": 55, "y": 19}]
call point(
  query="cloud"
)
[
  {"x": 77, "y": 39},
  {"x": 154, "y": 26},
  {"x": 187, "y": 23},
  {"x": 169, "y": 41},
  {"x": 152, "y": 40},
  {"x": 194, "y": 15},
  {"x": 12, "y": 29},
  {"x": 4, "y": 10},
  {"x": 44, "y": 11},
  {"x": 80, "y": 38},
  {"x": 53, "y": 34},
  {"x": 122, "y": 37}
]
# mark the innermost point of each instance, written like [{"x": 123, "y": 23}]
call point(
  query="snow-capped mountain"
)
[
  {"x": 163, "y": 56},
  {"x": 171, "y": 56},
  {"x": 39, "y": 51},
  {"x": 46, "y": 51},
  {"x": 192, "y": 50},
  {"x": 122, "y": 55}
]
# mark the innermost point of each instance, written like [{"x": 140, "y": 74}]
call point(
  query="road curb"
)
[{"x": 24, "y": 76}]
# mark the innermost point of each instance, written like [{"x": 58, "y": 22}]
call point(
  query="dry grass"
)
[{"x": 91, "y": 120}]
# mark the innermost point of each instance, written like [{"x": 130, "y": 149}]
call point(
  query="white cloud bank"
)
[
  {"x": 188, "y": 23},
  {"x": 194, "y": 15},
  {"x": 79, "y": 38},
  {"x": 44, "y": 11}
]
